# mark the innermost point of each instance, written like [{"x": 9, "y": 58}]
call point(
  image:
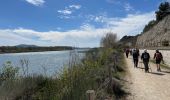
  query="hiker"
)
[
  {"x": 158, "y": 57},
  {"x": 131, "y": 50},
  {"x": 127, "y": 52},
  {"x": 145, "y": 57},
  {"x": 135, "y": 57},
  {"x": 137, "y": 51}
]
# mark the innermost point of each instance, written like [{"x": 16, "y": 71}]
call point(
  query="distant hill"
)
[
  {"x": 129, "y": 40},
  {"x": 25, "y": 46}
]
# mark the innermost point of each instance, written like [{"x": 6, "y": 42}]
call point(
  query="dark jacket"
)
[
  {"x": 145, "y": 57},
  {"x": 135, "y": 54}
]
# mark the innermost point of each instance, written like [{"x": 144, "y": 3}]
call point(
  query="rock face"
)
[{"x": 157, "y": 37}]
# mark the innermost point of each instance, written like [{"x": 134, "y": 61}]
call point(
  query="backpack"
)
[
  {"x": 145, "y": 56},
  {"x": 158, "y": 56},
  {"x": 127, "y": 50},
  {"x": 135, "y": 54}
]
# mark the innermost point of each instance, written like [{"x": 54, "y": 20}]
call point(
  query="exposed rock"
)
[{"x": 158, "y": 36}]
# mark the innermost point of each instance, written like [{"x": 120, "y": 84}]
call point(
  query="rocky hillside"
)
[
  {"x": 157, "y": 37},
  {"x": 129, "y": 40}
]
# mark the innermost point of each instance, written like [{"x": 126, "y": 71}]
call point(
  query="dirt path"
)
[{"x": 148, "y": 86}]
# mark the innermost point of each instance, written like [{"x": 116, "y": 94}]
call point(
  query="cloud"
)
[
  {"x": 99, "y": 18},
  {"x": 168, "y": 1},
  {"x": 132, "y": 24},
  {"x": 9, "y": 37},
  {"x": 128, "y": 7},
  {"x": 36, "y": 2},
  {"x": 67, "y": 11},
  {"x": 85, "y": 36},
  {"x": 75, "y": 6}
]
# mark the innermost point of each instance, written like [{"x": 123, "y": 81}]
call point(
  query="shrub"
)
[
  {"x": 109, "y": 41},
  {"x": 8, "y": 71},
  {"x": 149, "y": 25}
]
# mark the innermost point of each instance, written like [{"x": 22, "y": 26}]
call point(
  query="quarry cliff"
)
[{"x": 157, "y": 37}]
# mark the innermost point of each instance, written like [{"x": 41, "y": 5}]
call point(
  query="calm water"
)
[{"x": 41, "y": 62}]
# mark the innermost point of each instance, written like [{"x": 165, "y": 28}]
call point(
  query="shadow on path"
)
[
  {"x": 155, "y": 73},
  {"x": 141, "y": 67},
  {"x": 166, "y": 72}
]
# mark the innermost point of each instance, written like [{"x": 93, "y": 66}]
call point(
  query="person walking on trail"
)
[
  {"x": 135, "y": 57},
  {"x": 145, "y": 57},
  {"x": 131, "y": 51},
  {"x": 137, "y": 50},
  {"x": 158, "y": 57},
  {"x": 127, "y": 52}
]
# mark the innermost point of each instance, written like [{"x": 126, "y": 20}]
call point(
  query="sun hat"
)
[{"x": 145, "y": 50}]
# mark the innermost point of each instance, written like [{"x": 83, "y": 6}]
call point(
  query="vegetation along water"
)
[{"x": 100, "y": 70}]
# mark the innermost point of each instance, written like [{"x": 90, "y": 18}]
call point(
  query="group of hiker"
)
[{"x": 145, "y": 57}]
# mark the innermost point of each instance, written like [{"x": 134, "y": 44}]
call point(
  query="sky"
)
[{"x": 79, "y": 23}]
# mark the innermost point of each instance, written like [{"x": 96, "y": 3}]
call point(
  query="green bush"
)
[
  {"x": 149, "y": 25},
  {"x": 8, "y": 71}
]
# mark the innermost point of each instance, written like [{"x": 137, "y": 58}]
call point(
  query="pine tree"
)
[{"x": 164, "y": 10}]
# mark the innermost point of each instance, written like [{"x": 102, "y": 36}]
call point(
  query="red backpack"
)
[{"x": 158, "y": 56}]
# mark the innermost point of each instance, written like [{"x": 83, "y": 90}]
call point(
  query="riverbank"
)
[{"x": 96, "y": 72}]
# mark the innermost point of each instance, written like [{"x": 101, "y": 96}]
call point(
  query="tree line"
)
[{"x": 15, "y": 49}]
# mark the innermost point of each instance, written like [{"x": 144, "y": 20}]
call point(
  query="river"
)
[{"x": 48, "y": 63}]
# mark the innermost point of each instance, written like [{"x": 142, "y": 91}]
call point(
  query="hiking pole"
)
[
  {"x": 150, "y": 67},
  {"x": 141, "y": 63}
]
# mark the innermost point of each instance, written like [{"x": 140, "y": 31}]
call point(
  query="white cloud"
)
[
  {"x": 75, "y": 6},
  {"x": 9, "y": 37},
  {"x": 132, "y": 24},
  {"x": 168, "y": 1},
  {"x": 128, "y": 7},
  {"x": 97, "y": 18},
  {"x": 67, "y": 11},
  {"x": 36, "y": 2},
  {"x": 64, "y": 17},
  {"x": 86, "y": 36}
]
